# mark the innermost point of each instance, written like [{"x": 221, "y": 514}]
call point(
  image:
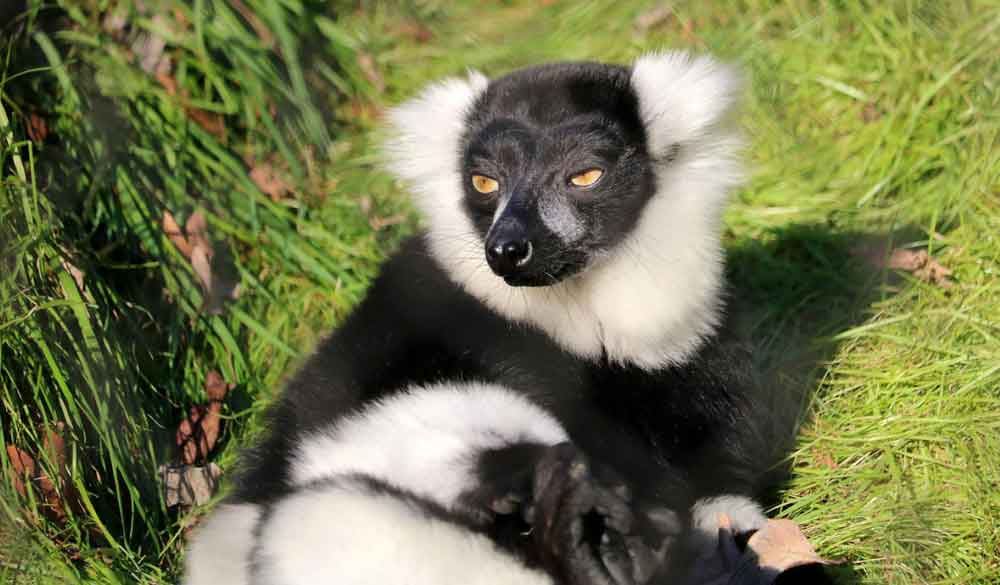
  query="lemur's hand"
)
[{"x": 587, "y": 526}]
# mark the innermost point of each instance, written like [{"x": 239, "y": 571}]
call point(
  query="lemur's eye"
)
[
  {"x": 484, "y": 184},
  {"x": 586, "y": 178}
]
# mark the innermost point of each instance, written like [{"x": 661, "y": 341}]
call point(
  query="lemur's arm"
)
[{"x": 381, "y": 347}]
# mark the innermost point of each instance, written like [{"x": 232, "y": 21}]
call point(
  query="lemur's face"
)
[{"x": 555, "y": 170}]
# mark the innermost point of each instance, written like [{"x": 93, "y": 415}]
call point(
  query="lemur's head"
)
[
  {"x": 575, "y": 188},
  {"x": 555, "y": 168}
]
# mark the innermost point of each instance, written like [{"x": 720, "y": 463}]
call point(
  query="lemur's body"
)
[{"x": 601, "y": 303}]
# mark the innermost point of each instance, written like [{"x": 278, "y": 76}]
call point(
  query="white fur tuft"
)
[
  {"x": 344, "y": 535},
  {"x": 220, "y": 550},
  {"x": 425, "y": 439},
  {"x": 684, "y": 98},
  {"x": 655, "y": 298},
  {"x": 744, "y": 514}
]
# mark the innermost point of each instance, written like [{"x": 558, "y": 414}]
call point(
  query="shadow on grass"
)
[{"x": 791, "y": 293}]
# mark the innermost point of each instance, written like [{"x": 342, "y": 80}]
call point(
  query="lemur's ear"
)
[
  {"x": 683, "y": 98},
  {"x": 427, "y": 128}
]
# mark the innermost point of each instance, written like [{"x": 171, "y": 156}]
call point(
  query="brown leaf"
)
[
  {"x": 414, "y": 30},
  {"x": 870, "y": 113},
  {"x": 55, "y": 493},
  {"x": 216, "y": 387},
  {"x": 777, "y": 547},
  {"x": 196, "y": 229},
  {"x": 921, "y": 265},
  {"x": 370, "y": 70},
  {"x": 380, "y": 223},
  {"x": 175, "y": 234},
  {"x": 149, "y": 47},
  {"x": 269, "y": 181},
  {"x": 189, "y": 485},
  {"x": 826, "y": 460},
  {"x": 114, "y": 24},
  {"x": 38, "y": 129},
  {"x": 167, "y": 81},
  {"x": 201, "y": 261},
  {"x": 365, "y": 111},
  {"x": 197, "y": 434},
  {"x": 209, "y": 121},
  {"x": 917, "y": 262},
  {"x": 653, "y": 17},
  {"x": 255, "y": 23},
  {"x": 75, "y": 272},
  {"x": 22, "y": 468}
]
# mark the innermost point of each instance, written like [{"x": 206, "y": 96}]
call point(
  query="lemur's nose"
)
[{"x": 506, "y": 256}]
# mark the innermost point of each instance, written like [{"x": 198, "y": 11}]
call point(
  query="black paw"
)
[
  {"x": 504, "y": 483},
  {"x": 587, "y": 526}
]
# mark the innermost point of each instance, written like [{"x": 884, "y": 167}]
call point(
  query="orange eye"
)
[
  {"x": 587, "y": 178},
  {"x": 484, "y": 184}
]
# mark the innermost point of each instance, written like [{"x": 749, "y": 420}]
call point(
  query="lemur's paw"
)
[
  {"x": 588, "y": 526},
  {"x": 503, "y": 487}
]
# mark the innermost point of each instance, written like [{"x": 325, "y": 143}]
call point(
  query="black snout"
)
[
  {"x": 507, "y": 257},
  {"x": 508, "y": 249}
]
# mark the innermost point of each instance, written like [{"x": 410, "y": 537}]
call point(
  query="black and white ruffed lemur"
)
[{"x": 540, "y": 387}]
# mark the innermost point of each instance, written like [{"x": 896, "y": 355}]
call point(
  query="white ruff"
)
[
  {"x": 653, "y": 300},
  {"x": 425, "y": 440},
  {"x": 345, "y": 536}
]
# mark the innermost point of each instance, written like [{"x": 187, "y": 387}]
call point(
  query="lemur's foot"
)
[{"x": 588, "y": 527}]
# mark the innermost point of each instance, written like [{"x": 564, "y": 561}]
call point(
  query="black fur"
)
[
  {"x": 679, "y": 432},
  {"x": 673, "y": 434}
]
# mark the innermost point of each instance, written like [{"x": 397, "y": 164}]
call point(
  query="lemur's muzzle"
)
[{"x": 508, "y": 249}]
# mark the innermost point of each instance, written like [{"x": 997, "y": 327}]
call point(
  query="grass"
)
[{"x": 868, "y": 121}]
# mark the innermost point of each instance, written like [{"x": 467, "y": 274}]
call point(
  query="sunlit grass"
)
[{"x": 867, "y": 120}]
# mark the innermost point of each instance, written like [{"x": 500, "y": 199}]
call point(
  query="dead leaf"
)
[
  {"x": 22, "y": 468},
  {"x": 75, "y": 272},
  {"x": 415, "y": 31},
  {"x": 201, "y": 262},
  {"x": 168, "y": 82},
  {"x": 255, "y": 23},
  {"x": 826, "y": 460},
  {"x": 189, "y": 485},
  {"x": 778, "y": 547},
  {"x": 38, "y": 129},
  {"x": 921, "y": 265},
  {"x": 688, "y": 32},
  {"x": 175, "y": 234},
  {"x": 216, "y": 279},
  {"x": 114, "y": 24},
  {"x": 216, "y": 387},
  {"x": 364, "y": 111},
  {"x": 653, "y": 17},
  {"x": 210, "y": 122},
  {"x": 365, "y": 204},
  {"x": 774, "y": 549},
  {"x": 870, "y": 113},
  {"x": 380, "y": 223},
  {"x": 269, "y": 181},
  {"x": 917, "y": 262},
  {"x": 56, "y": 493},
  {"x": 370, "y": 70},
  {"x": 149, "y": 47},
  {"x": 197, "y": 434},
  {"x": 196, "y": 229}
]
